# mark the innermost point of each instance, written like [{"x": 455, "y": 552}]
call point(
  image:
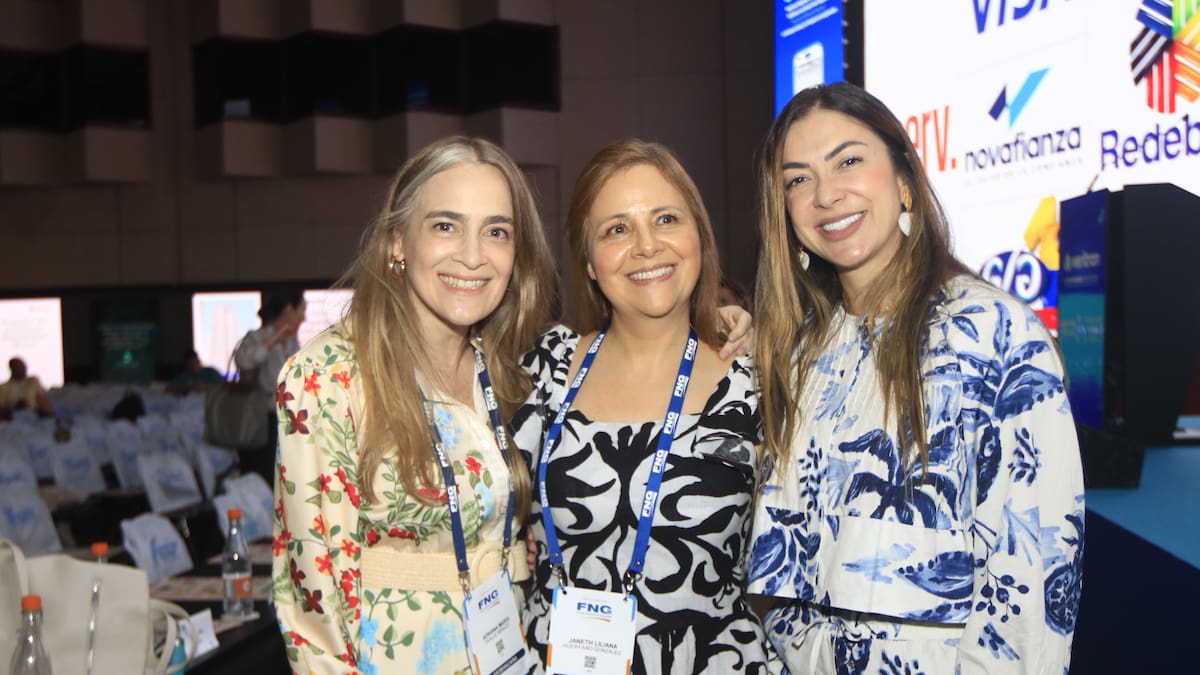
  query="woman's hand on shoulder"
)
[{"x": 737, "y": 325}]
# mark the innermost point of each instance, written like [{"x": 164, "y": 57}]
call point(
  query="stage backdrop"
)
[{"x": 1016, "y": 105}]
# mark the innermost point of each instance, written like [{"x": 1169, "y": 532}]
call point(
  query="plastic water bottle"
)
[
  {"x": 235, "y": 570},
  {"x": 29, "y": 657},
  {"x": 100, "y": 553}
]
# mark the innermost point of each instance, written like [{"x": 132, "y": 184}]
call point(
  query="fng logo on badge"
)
[
  {"x": 489, "y": 599},
  {"x": 595, "y": 610}
]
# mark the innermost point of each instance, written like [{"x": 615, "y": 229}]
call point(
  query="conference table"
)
[{"x": 254, "y": 646}]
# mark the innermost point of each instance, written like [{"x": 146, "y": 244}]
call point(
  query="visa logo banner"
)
[{"x": 1004, "y": 10}]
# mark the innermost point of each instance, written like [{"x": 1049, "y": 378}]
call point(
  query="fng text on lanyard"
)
[
  {"x": 657, "y": 467},
  {"x": 452, "y": 498}
]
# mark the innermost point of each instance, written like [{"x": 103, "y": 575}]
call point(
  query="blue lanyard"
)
[
  {"x": 456, "y": 526},
  {"x": 657, "y": 467}
]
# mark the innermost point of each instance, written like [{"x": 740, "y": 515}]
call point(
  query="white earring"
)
[
  {"x": 905, "y": 223},
  {"x": 803, "y": 255}
]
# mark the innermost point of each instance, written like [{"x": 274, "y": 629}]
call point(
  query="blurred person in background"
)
[
  {"x": 260, "y": 356},
  {"x": 23, "y": 391},
  {"x": 195, "y": 376}
]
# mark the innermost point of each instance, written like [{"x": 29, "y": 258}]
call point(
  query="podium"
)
[{"x": 1129, "y": 321}]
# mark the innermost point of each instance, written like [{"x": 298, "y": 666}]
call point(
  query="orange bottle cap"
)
[
  {"x": 31, "y": 603},
  {"x": 233, "y": 513},
  {"x": 99, "y": 548}
]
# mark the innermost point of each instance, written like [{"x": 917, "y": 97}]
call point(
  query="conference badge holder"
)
[
  {"x": 591, "y": 631},
  {"x": 491, "y": 626},
  {"x": 494, "y": 636}
]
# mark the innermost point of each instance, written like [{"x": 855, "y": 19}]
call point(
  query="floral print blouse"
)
[
  {"x": 969, "y": 566},
  {"x": 333, "y": 618}
]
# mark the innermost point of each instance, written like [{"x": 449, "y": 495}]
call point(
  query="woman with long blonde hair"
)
[
  {"x": 924, "y": 508},
  {"x": 453, "y": 282}
]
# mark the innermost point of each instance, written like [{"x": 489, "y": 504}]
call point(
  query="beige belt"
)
[{"x": 384, "y": 567}]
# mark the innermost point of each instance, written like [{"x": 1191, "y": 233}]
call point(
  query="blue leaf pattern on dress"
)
[
  {"x": 986, "y": 539},
  {"x": 947, "y": 576}
]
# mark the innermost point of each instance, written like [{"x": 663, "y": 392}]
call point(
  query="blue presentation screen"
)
[
  {"x": 1083, "y": 248},
  {"x": 808, "y": 46}
]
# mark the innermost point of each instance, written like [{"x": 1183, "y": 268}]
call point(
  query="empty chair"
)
[
  {"x": 169, "y": 481},
  {"x": 25, "y": 521},
  {"x": 75, "y": 468},
  {"x": 92, "y": 430},
  {"x": 37, "y": 442},
  {"x": 125, "y": 445},
  {"x": 15, "y": 472},
  {"x": 155, "y": 546},
  {"x": 251, "y": 494}
]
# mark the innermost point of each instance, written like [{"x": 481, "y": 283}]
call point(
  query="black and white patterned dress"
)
[{"x": 692, "y": 615}]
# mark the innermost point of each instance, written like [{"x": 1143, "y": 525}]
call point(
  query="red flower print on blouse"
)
[
  {"x": 352, "y": 495},
  {"x": 312, "y": 601},
  {"x": 296, "y": 422},
  {"x": 343, "y": 376},
  {"x": 473, "y": 465},
  {"x": 347, "y": 582},
  {"x": 434, "y": 493},
  {"x": 298, "y": 639},
  {"x": 348, "y": 657},
  {"x": 324, "y": 481},
  {"x": 282, "y": 396},
  {"x": 373, "y": 537},
  {"x": 311, "y": 386},
  {"x": 350, "y": 548},
  {"x": 319, "y": 525},
  {"x": 325, "y": 564},
  {"x": 401, "y": 534},
  {"x": 279, "y": 542},
  {"x": 297, "y": 573}
]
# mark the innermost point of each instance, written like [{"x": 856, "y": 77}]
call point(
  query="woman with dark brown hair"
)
[{"x": 924, "y": 509}]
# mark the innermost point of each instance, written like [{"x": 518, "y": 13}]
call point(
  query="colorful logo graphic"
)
[
  {"x": 1017, "y": 104},
  {"x": 1032, "y": 275},
  {"x": 1166, "y": 53}
]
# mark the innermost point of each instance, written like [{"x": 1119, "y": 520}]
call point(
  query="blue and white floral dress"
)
[{"x": 971, "y": 566}]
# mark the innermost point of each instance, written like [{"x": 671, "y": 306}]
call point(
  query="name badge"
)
[
  {"x": 591, "y": 632},
  {"x": 494, "y": 636}
]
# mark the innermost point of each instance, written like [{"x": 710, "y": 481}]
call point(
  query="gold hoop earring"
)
[{"x": 397, "y": 267}]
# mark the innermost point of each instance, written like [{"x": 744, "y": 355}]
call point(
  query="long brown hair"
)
[
  {"x": 383, "y": 329},
  {"x": 591, "y": 307},
  {"x": 800, "y": 304}
]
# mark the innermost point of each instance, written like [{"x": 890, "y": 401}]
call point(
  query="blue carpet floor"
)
[
  {"x": 1140, "y": 607},
  {"x": 1164, "y": 509}
]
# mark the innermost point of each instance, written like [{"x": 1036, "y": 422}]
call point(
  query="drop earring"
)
[
  {"x": 804, "y": 259},
  {"x": 398, "y": 267},
  {"x": 904, "y": 222}
]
